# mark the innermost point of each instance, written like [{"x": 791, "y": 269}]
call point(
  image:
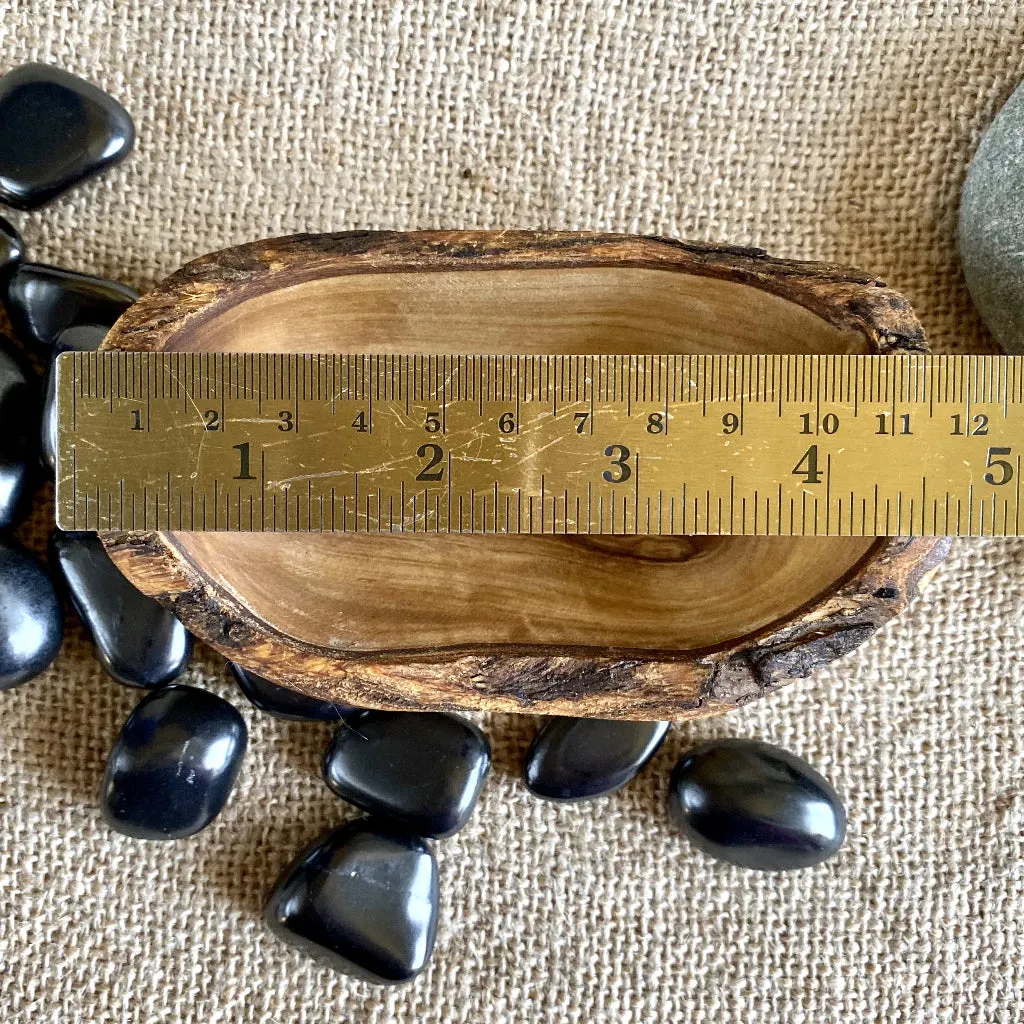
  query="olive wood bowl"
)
[{"x": 612, "y": 627}]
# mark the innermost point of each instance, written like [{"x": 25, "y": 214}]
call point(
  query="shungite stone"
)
[
  {"x": 56, "y": 130},
  {"x": 580, "y": 758},
  {"x": 756, "y": 805},
  {"x": 282, "y": 702},
  {"x": 173, "y": 764},
  {"x": 419, "y": 770},
  {"x": 12, "y": 249},
  {"x": 31, "y": 626},
  {"x": 137, "y": 640},
  {"x": 43, "y": 301},
  {"x": 362, "y": 900},
  {"x": 19, "y": 422},
  {"x": 83, "y": 338},
  {"x": 992, "y": 226}
]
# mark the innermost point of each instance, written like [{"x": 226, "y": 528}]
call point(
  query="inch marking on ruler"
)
[{"x": 786, "y": 445}]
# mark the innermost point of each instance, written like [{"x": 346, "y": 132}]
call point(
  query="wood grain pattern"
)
[{"x": 611, "y": 627}]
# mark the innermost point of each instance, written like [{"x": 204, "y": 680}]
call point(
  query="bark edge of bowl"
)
[{"x": 610, "y": 684}]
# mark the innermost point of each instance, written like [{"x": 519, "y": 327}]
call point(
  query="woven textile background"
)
[{"x": 828, "y": 129}]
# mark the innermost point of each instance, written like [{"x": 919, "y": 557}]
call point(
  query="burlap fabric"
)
[{"x": 819, "y": 129}]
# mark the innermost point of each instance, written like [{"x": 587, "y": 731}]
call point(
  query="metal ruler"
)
[{"x": 797, "y": 445}]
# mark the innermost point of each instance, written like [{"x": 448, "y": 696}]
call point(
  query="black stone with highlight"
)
[
  {"x": 43, "y": 301},
  {"x": 173, "y": 764},
  {"x": 361, "y": 900},
  {"x": 422, "y": 771},
  {"x": 31, "y": 624},
  {"x": 581, "y": 758},
  {"x": 756, "y": 805},
  {"x": 138, "y": 641},
  {"x": 56, "y": 130}
]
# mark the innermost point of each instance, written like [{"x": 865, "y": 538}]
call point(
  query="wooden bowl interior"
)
[{"x": 367, "y": 595}]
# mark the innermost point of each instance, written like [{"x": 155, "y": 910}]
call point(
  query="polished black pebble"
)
[
  {"x": 137, "y": 640},
  {"x": 281, "y": 702},
  {"x": 31, "y": 625},
  {"x": 362, "y": 900},
  {"x": 19, "y": 421},
  {"x": 12, "y": 249},
  {"x": 579, "y": 758},
  {"x": 420, "y": 770},
  {"x": 756, "y": 805},
  {"x": 83, "y": 338},
  {"x": 43, "y": 301},
  {"x": 55, "y": 130},
  {"x": 173, "y": 764}
]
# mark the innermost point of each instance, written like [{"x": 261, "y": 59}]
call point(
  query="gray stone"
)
[{"x": 992, "y": 226}]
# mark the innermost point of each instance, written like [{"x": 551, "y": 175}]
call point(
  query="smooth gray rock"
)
[{"x": 992, "y": 226}]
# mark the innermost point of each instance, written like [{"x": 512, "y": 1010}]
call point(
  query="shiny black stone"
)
[
  {"x": 421, "y": 771},
  {"x": 138, "y": 641},
  {"x": 756, "y": 805},
  {"x": 281, "y": 702},
  {"x": 579, "y": 758},
  {"x": 43, "y": 301},
  {"x": 83, "y": 338},
  {"x": 12, "y": 249},
  {"x": 362, "y": 900},
  {"x": 19, "y": 422},
  {"x": 173, "y": 764},
  {"x": 55, "y": 131},
  {"x": 31, "y": 625}
]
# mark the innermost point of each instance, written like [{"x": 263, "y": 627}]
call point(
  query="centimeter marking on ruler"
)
[{"x": 784, "y": 445}]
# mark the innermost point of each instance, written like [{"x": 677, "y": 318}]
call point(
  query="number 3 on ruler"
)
[{"x": 618, "y": 453}]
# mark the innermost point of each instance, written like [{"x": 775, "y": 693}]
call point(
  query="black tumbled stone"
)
[
  {"x": 56, "y": 130},
  {"x": 31, "y": 626},
  {"x": 363, "y": 901},
  {"x": 282, "y": 702},
  {"x": 756, "y": 805},
  {"x": 12, "y": 249},
  {"x": 173, "y": 764},
  {"x": 580, "y": 758},
  {"x": 19, "y": 422},
  {"x": 137, "y": 640},
  {"x": 83, "y": 338},
  {"x": 43, "y": 301},
  {"x": 420, "y": 770}
]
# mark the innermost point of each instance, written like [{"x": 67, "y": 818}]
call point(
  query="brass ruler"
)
[{"x": 787, "y": 445}]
